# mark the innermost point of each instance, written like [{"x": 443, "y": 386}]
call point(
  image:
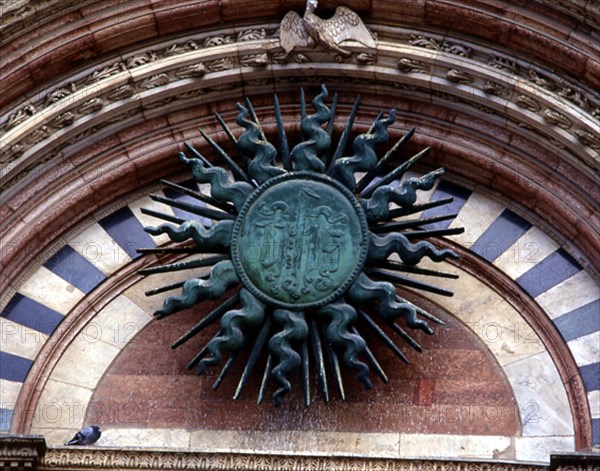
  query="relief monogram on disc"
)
[{"x": 300, "y": 241}]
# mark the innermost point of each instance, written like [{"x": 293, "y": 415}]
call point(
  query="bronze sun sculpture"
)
[{"x": 309, "y": 246}]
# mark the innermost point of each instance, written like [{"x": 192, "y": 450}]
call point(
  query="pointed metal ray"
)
[
  {"x": 168, "y": 250},
  {"x": 255, "y": 352},
  {"x": 255, "y": 118},
  {"x": 396, "y": 173},
  {"x": 235, "y": 168},
  {"x": 162, "y": 289},
  {"x": 404, "y": 335},
  {"x": 229, "y": 208},
  {"x": 424, "y": 313},
  {"x": 413, "y": 223},
  {"x": 382, "y": 275},
  {"x": 208, "y": 319},
  {"x": 382, "y": 335},
  {"x": 197, "y": 154},
  {"x": 417, "y": 208},
  {"x": 225, "y": 128},
  {"x": 230, "y": 135},
  {"x": 335, "y": 366},
  {"x": 163, "y": 216},
  {"x": 202, "y": 353},
  {"x": 193, "y": 208},
  {"x": 396, "y": 266},
  {"x": 203, "y": 262},
  {"x": 377, "y": 118},
  {"x": 330, "y": 126},
  {"x": 332, "y": 113},
  {"x": 372, "y": 360},
  {"x": 228, "y": 364},
  {"x": 433, "y": 233},
  {"x": 283, "y": 142},
  {"x": 302, "y": 104},
  {"x": 319, "y": 360},
  {"x": 371, "y": 174},
  {"x": 305, "y": 373},
  {"x": 345, "y": 134},
  {"x": 265, "y": 379}
]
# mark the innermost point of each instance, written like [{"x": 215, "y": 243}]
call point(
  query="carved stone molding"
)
[
  {"x": 564, "y": 115},
  {"x": 30, "y": 452},
  {"x": 583, "y": 461},
  {"x": 109, "y": 459},
  {"x": 126, "y": 460},
  {"x": 545, "y": 118},
  {"x": 18, "y": 452}
]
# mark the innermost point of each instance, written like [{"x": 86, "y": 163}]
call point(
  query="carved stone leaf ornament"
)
[{"x": 300, "y": 250}]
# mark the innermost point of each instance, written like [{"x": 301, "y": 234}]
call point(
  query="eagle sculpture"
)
[{"x": 344, "y": 25}]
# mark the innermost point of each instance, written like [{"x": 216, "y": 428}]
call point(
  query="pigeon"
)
[{"x": 86, "y": 436}]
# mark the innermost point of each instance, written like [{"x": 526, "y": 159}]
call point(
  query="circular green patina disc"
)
[{"x": 299, "y": 241}]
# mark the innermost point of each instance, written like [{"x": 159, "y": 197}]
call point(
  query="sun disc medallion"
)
[
  {"x": 306, "y": 254},
  {"x": 300, "y": 241}
]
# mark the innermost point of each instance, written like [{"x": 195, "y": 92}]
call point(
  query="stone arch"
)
[
  {"x": 92, "y": 120},
  {"x": 100, "y": 330}
]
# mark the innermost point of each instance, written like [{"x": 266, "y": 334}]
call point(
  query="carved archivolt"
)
[{"x": 563, "y": 115}]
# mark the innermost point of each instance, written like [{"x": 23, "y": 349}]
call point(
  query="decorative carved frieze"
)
[
  {"x": 558, "y": 119},
  {"x": 63, "y": 120},
  {"x": 38, "y": 135},
  {"x": 258, "y": 48},
  {"x": 408, "y": 65},
  {"x": 158, "y": 80},
  {"x": 458, "y": 76},
  {"x": 177, "y": 48},
  {"x": 546, "y": 83},
  {"x": 19, "y": 452},
  {"x": 218, "y": 40},
  {"x": 140, "y": 59},
  {"x": 121, "y": 93},
  {"x": 19, "y": 116},
  {"x": 503, "y": 63},
  {"x": 189, "y": 71},
  {"x": 105, "y": 72},
  {"x": 492, "y": 88},
  {"x": 528, "y": 103},
  {"x": 109, "y": 459},
  {"x": 581, "y": 461},
  {"x": 576, "y": 97},
  {"x": 437, "y": 45},
  {"x": 588, "y": 139},
  {"x": 91, "y": 106}
]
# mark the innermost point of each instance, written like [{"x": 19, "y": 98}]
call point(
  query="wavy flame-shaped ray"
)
[
  {"x": 282, "y": 346},
  {"x": 364, "y": 291},
  {"x": 307, "y": 155},
  {"x": 207, "y": 240},
  {"x": 222, "y": 276},
  {"x": 233, "y": 323},
  {"x": 252, "y": 143},
  {"x": 381, "y": 247},
  {"x": 341, "y": 317},
  {"x": 222, "y": 189},
  {"x": 377, "y": 208},
  {"x": 364, "y": 158}
]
